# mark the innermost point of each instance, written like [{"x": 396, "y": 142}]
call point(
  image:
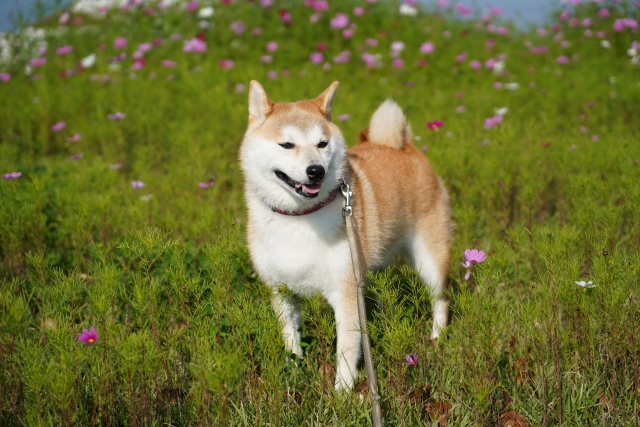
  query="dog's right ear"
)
[{"x": 260, "y": 105}]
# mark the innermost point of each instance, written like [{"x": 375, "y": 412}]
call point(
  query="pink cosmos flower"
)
[
  {"x": 272, "y": 74},
  {"x": 138, "y": 64},
  {"x": 538, "y": 50},
  {"x": 272, "y": 47},
  {"x": 238, "y": 27},
  {"x": 343, "y": 57},
  {"x": 411, "y": 359},
  {"x": 618, "y": 25},
  {"x": 116, "y": 166},
  {"x": 424, "y": 148},
  {"x": 348, "y": 33},
  {"x": 58, "y": 126},
  {"x": 475, "y": 65},
  {"x": 497, "y": 85},
  {"x": 461, "y": 58},
  {"x": 89, "y": 337},
  {"x": 137, "y": 184},
  {"x": 168, "y": 64},
  {"x": 492, "y": 121},
  {"x": 144, "y": 47},
  {"x": 12, "y": 175},
  {"x": 266, "y": 3},
  {"x": 226, "y": 64},
  {"x": 117, "y": 116},
  {"x": 194, "y": 45},
  {"x": 472, "y": 257},
  {"x": 371, "y": 42},
  {"x": 435, "y": 125},
  {"x": 460, "y": 109},
  {"x": 205, "y": 185},
  {"x": 239, "y": 88},
  {"x": 64, "y": 50},
  {"x": 490, "y": 63},
  {"x": 562, "y": 60},
  {"x": 339, "y": 22},
  {"x": 76, "y": 157},
  {"x": 319, "y": 5},
  {"x": 397, "y": 48},
  {"x": 586, "y": 22},
  {"x": 369, "y": 59},
  {"x": 74, "y": 138},
  {"x": 397, "y": 63},
  {"x": 38, "y": 62},
  {"x": 503, "y": 31},
  {"x": 285, "y": 16},
  {"x": 192, "y": 6},
  {"x": 64, "y": 18},
  {"x": 427, "y": 48},
  {"x": 462, "y": 10},
  {"x": 5, "y": 77},
  {"x": 574, "y": 22},
  {"x": 541, "y": 31},
  {"x": 316, "y": 58},
  {"x": 358, "y": 11},
  {"x": 495, "y": 11},
  {"x": 120, "y": 43},
  {"x": 603, "y": 13},
  {"x": 343, "y": 118},
  {"x": 266, "y": 59}
]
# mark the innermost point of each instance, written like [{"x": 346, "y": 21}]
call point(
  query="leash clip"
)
[{"x": 345, "y": 189}]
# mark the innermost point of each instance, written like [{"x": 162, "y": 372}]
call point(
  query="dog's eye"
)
[
  {"x": 287, "y": 145},
  {"x": 323, "y": 144}
]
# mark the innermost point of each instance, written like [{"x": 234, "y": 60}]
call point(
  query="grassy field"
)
[{"x": 133, "y": 223}]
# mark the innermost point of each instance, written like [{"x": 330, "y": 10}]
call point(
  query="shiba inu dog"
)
[{"x": 294, "y": 159}]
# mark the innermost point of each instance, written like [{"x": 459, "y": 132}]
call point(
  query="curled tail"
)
[{"x": 388, "y": 127}]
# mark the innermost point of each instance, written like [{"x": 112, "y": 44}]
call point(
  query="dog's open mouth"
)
[{"x": 307, "y": 190}]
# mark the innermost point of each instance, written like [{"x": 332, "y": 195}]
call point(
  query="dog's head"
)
[{"x": 292, "y": 154}]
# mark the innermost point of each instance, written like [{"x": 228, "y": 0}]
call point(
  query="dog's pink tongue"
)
[{"x": 311, "y": 188}]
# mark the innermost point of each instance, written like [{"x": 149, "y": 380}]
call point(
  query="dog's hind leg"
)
[
  {"x": 429, "y": 248},
  {"x": 288, "y": 313},
  {"x": 345, "y": 307}
]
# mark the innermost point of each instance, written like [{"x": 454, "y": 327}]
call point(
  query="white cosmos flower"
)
[
  {"x": 634, "y": 60},
  {"x": 512, "y": 86},
  {"x": 114, "y": 66},
  {"x": 632, "y": 52},
  {"x": 612, "y": 80},
  {"x": 205, "y": 12},
  {"x": 408, "y": 10},
  {"x": 605, "y": 44},
  {"x": 146, "y": 198},
  {"x": 498, "y": 67},
  {"x": 501, "y": 111},
  {"x": 89, "y": 61},
  {"x": 585, "y": 285}
]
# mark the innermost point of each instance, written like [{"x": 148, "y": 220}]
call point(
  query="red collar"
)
[{"x": 330, "y": 198}]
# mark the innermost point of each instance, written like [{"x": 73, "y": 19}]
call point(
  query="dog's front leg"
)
[
  {"x": 345, "y": 307},
  {"x": 288, "y": 313}
]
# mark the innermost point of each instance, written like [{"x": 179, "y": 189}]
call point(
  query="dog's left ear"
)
[{"x": 325, "y": 100}]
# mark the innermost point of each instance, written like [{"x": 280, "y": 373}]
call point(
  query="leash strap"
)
[{"x": 359, "y": 273}]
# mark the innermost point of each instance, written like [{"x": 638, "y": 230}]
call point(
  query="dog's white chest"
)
[{"x": 307, "y": 253}]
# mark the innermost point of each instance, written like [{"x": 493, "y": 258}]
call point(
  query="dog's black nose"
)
[{"x": 315, "y": 172}]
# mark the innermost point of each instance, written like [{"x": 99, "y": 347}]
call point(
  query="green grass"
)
[{"x": 187, "y": 335}]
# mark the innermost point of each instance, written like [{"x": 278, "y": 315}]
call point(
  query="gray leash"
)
[{"x": 359, "y": 273}]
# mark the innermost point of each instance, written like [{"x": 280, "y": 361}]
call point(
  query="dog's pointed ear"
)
[
  {"x": 260, "y": 105},
  {"x": 325, "y": 100}
]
